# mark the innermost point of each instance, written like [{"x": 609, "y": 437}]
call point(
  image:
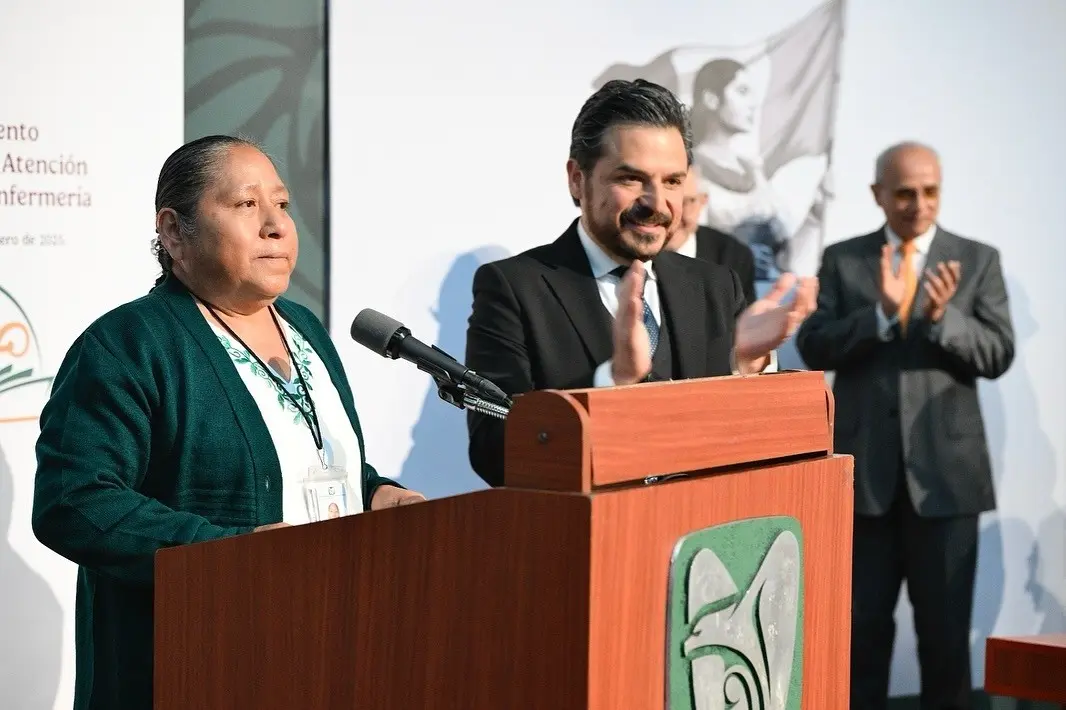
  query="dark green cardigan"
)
[{"x": 150, "y": 440}]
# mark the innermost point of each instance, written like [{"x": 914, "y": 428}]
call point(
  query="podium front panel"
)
[{"x": 718, "y": 587}]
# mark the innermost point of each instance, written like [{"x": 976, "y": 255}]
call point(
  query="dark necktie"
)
[{"x": 650, "y": 324}]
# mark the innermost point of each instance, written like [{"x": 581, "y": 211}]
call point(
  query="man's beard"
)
[{"x": 640, "y": 215}]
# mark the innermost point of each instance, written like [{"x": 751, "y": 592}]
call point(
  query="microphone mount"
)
[
  {"x": 456, "y": 384},
  {"x": 458, "y": 396}
]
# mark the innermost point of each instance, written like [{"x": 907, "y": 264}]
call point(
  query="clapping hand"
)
[
  {"x": 893, "y": 283},
  {"x": 941, "y": 285},
  {"x": 631, "y": 362},
  {"x": 768, "y": 322}
]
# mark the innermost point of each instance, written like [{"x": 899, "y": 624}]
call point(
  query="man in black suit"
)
[
  {"x": 605, "y": 304},
  {"x": 908, "y": 351},
  {"x": 698, "y": 241}
]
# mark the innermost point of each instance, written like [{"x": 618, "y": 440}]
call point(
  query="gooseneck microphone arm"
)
[{"x": 456, "y": 384}]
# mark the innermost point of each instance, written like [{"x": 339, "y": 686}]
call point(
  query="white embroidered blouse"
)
[{"x": 293, "y": 442}]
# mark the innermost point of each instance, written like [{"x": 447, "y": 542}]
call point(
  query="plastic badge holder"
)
[{"x": 327, "y": 493}]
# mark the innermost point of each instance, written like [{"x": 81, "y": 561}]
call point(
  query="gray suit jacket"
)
[{"x": 912, "y": 399}]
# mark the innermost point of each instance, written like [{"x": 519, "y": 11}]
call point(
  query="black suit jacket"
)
[
  {"x": 727, "y": 250},
  {"x": 913, "y": 398},
  {"x": 538, "y": 323}
]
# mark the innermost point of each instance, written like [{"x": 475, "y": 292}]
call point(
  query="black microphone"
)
[{"x": 389, "y": 338}]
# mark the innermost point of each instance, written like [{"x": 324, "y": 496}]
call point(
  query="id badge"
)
[{"x": 327, "y": 493}]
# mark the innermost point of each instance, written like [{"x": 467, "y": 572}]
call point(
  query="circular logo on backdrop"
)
[{"x": 23, "y": 384}]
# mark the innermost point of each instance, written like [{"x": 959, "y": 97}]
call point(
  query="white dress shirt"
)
[
  {"x": 688, "y": 248},
  {"x": 602, "y": 264},
  {"x": 922, "y": 242}
]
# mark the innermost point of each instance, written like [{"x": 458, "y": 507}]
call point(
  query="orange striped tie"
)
[{"x": 910, "y": 281}]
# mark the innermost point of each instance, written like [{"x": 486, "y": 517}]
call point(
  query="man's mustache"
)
[{"x": 641, "y": 215}]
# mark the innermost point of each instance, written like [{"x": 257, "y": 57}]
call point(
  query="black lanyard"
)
[{"x": 310, "y": 415}]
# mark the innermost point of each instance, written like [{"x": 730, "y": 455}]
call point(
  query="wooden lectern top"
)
[{"x": 582, "y": 440}]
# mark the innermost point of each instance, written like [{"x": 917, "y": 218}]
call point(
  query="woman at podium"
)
[{"x": 210, "y": 407}]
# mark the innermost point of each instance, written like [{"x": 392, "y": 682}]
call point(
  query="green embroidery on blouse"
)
[{"x": 301, "y": 352}]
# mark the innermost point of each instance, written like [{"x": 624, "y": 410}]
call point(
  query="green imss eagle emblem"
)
[{"x": 735, "y": 618}]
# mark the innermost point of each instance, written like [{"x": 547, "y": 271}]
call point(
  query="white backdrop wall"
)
[
  {"x": 451, "y": 127},
  {"x": 95, "y": 90}
]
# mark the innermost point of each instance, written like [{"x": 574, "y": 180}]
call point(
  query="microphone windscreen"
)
[{"x": 374, "y": 330}]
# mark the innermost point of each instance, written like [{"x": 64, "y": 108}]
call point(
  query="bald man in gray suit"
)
[{"x": 910, "y": 317}]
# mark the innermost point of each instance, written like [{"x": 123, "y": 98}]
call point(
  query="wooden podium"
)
[
  {"x": 1026, "y": 667},
  {"x": 653, "y": 543}
]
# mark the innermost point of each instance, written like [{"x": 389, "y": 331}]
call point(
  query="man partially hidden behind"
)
[
  {"x": 605, "y": 304},
  {"x": 909, "y": 317},
  {"x": 698, "y": 241}
]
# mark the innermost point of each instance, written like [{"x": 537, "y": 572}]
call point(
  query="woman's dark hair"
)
[
  {"x": 712, "y": 78},
  {"x": 183, "y": 180}
]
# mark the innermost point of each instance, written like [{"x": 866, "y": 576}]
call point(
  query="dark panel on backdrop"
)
[{"x": 258, "y": 69}]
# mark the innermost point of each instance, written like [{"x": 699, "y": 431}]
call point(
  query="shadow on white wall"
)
[{"x": 31, "y": 621}]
